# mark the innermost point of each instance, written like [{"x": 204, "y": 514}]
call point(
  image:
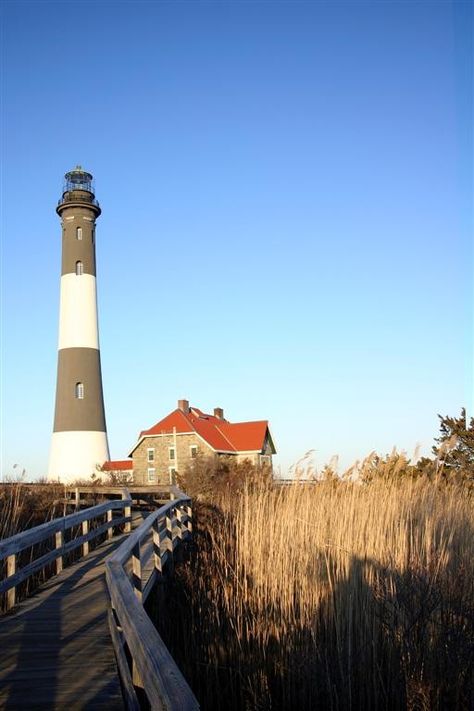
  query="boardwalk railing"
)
[
  {"x": 151, "y": 493},
  {"x": 10, "y": 548},
  {"x": 153, "y": 668}
]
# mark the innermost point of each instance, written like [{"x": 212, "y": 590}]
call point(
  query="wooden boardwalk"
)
[{"x": 55, "y": 650}]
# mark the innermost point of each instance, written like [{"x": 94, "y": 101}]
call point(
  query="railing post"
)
[
  {"x": 137, "y": 570},
  {"x": 11, "y": 570},
  {"x": 169, "y": 532},
  {"x": 189, "y": 512},
  {"x": 127, "y": 511},
  {"x": 59, "y": 539},
  {"x": 110, "y": 531},
  {"x": 85, "y": 531},
  {"x": 136, "y": 678},
  {"x": 179, "y": 521},
  {"x": 157, "y": 547}
]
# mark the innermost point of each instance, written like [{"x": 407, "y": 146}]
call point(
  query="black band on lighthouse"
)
[
  {"x": 86, "y": 413},
  {"x": 76, "y": 250}
]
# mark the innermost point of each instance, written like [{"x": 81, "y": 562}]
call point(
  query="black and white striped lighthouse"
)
[{"x": 79, "y": 440}]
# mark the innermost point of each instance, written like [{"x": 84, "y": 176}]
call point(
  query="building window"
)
[
  {"x": 79, "y": 268},
  {"x": 194, "y": 450},
  {"x": 172, "y": 474},
  {"x": 78, "y": 232},
  {"x": 80, "y": 391},
  {"x": 172, "y": 453},
  {"x": 150, "y": 454},
  {"x": 151, "y": 475}
]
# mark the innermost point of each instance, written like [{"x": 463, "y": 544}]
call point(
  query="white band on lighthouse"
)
[
  {"x": 78, "y": 312},
  {"x": 64, "y": 467}
]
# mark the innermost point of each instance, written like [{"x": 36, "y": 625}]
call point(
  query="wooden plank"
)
[
  {"x": 110, "y": 531},
  {"x": 179, "y": 522},
  {"x": 11, "y": 570},
  {"x": 170, "y": 542},
  {"x": 157, "y": 548},
  {"x": 85, "y": 531},
  {"x": 127, "y": 510},
  {"x": 189, "y": 513},
  {"x": 137, "y": 570},
  {"x": 59, "y": 541}
]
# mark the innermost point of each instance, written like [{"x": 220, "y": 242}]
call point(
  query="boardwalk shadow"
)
[{"x": 56, "y": 651}]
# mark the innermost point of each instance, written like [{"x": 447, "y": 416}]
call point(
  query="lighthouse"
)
[{"x": 79, "y": 441}]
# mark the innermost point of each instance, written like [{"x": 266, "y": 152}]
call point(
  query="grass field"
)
[{"x": 332, "y": 596}]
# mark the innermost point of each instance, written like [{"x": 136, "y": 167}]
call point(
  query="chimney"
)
[
  {"x": 183, "y": 405},
  {"x": 219, "y": 413}
]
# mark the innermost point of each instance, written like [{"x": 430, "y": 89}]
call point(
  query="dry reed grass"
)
[
  {"x": 25, "y": 505},
  {"x": 331, "y": 596}
]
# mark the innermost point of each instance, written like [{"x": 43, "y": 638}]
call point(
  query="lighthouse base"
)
[{"x": 76, "y": 455}]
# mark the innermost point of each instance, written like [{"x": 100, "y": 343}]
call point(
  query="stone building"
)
[{"x": 186, "y": 433}]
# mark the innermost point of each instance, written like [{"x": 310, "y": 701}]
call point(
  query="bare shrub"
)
[{"x": 206, "y": 478}]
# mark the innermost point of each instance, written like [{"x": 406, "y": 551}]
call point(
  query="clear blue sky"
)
[{"x": 286, "y": 230}]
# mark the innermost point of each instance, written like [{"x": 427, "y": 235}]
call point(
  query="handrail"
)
[
  {"x": 153, "y": 668},
  {"x": 78, "y": 198},
  {"x": 35, "y": 535},
  {"x": 11, "y": 547}
]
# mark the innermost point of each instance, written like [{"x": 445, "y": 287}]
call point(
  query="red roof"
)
[
  {"x": 221, "y": 435},
  {"x": 117, "y": 465}
]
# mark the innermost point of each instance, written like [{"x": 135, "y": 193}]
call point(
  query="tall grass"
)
[
  {"x": 332, "y": 596},
  {"x": 25, "y": 505}
]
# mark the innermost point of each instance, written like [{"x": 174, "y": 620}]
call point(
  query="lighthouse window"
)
[
  {"x": 79, "y": 268},
  {"x": 79, "y": 233},
  {"x": 80, "y": 391}
]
